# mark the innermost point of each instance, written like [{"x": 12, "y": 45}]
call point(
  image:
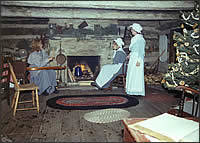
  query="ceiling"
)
[{"x": 122, "y": 10}]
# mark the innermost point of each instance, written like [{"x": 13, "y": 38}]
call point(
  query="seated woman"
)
[
  {"x": 45, "y": 79},
  {"x": 110, "y": 71}
]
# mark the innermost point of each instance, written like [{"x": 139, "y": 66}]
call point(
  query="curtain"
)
[{"x": 163, "y": 46}]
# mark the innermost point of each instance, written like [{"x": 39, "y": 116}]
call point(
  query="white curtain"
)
[{"x": 163, "y": 46}]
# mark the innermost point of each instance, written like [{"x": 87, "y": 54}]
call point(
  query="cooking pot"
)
[{"x": 60, "y": 58}]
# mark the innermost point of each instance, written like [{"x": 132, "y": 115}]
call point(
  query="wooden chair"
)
[
  {"x": 19, "y": 68},
  {"x": 20, "y": 88},
  {"x": 120, "y": 80},
  {"x": 195, "y": 96}
]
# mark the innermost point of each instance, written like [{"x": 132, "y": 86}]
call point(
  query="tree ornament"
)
[
  {"x": 170, "y": 85},
  {"x": 185, "y": 18},
  {"x": 195, "y": 25},
  {"x": 163, "y": 81},
  {"x": 180, "y": 40},
  {"x": 186, "y": 63},
  {"x": 195, "y": 46},
  {"x": 196, "y": 30},
  {"x": 179, "y": 60},
  {"x": 176, "y": 69},
  {"x": 187, "y": 44},
  {"x": 185, "y": 30},
  {"x": 195, "y": 18},
  {"x": 175, "y": 44},
  {"x": 177, "y": 54},
  {"x": 182, "y": 25},
  {"x": 174, "y": 36},
  {"x": 173, "y": 79},
  {"x": 182, "y": 82},
  {"x": 189, "y": 24},
  {"x": 194, "y": 35},
  {"x": 184, "y": 55},
  {"x": 167, "y": 74}
]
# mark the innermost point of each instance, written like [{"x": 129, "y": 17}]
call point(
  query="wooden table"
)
[
  {"x": 131, "y": 135},
  {"x": 48, "y": 68}
]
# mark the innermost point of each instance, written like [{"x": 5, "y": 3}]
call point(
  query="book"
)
[{"x": 169, "y": 128}]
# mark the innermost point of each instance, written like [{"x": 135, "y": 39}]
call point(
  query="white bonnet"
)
[
  {"x": 119, "y": 42},
  {"x": 137, "y": 27}
]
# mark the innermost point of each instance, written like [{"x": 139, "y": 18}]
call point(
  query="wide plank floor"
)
[{"x": 54, "y": 125}]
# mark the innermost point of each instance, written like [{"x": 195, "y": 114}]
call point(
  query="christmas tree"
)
[{"x": 186, "y": 69}]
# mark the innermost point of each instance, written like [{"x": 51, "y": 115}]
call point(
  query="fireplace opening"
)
[{"x": 83, "y": 67}]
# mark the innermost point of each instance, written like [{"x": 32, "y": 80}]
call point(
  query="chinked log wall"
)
[
  {"x": 15, "y": 31},
  {"x": 20, "y": 36},
  {"x": 23, "y": 21}
]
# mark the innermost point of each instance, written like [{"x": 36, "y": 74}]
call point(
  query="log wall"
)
[{"x": 24, "y": 20}]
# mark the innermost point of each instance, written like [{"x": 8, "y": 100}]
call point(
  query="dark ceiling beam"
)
[
  {"x": 10, "y": 11},
  {"x": 24, "y": 21},
  {"x": 117, "y": 5},
  {"x": 149, "y": 23}
]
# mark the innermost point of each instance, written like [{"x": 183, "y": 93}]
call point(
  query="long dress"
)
[
  {"x": 110, "y": 71},
  {"x": 135, "y": 74},
  {"x": 45, "y": 79}
]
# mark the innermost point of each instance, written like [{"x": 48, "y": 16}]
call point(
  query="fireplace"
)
[{"x": 83, "y": 67}]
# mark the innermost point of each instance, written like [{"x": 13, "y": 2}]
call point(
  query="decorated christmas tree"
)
[{"x": 185, "y": 71}]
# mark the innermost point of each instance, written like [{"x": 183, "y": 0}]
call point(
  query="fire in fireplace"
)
[{"x": 83, "y": 67}]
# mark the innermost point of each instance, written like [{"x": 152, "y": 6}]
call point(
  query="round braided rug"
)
[{"x": 106, "y": 115}]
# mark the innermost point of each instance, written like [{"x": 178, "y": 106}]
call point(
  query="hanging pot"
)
[{"x": 60, "y": 58}]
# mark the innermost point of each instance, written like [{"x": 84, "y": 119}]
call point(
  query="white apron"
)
[
  {"x": 135, "y": 76},
  {"x": 107, "y": 73}
]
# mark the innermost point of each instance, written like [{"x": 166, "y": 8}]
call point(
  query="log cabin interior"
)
[{"x": 82, "y": 32}]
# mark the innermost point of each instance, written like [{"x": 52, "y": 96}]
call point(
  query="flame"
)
[{"x": 83, "y": 67}]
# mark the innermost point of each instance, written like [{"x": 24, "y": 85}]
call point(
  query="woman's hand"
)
[
  {"x": 137, "y": 64},
  {"x": 128, "y": 57},
  {"x": 51, "y": 58}
]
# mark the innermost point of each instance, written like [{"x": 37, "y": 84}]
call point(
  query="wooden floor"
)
[{"x": 55, "y": 125}]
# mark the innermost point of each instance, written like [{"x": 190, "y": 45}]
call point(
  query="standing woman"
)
[{"x": 135, "y": 72}]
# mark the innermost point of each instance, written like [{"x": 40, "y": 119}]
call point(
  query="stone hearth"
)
[{"x": 91, "y": 46}]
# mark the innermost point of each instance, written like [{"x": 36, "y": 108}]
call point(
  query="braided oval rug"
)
[
  {"x": 88, "y": 102},
  {"x": 106, "y": 115}
]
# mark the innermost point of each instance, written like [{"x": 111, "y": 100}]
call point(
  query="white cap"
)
[
  {"x": 119, "y": 42},
  {"x": 137, "y": 27}
]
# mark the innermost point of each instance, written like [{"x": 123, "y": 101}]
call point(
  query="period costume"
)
[
  {"x": 110, "y": 71},
  {"x": 135, "y": 74},
  {"x": 45, "y": 79}
]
